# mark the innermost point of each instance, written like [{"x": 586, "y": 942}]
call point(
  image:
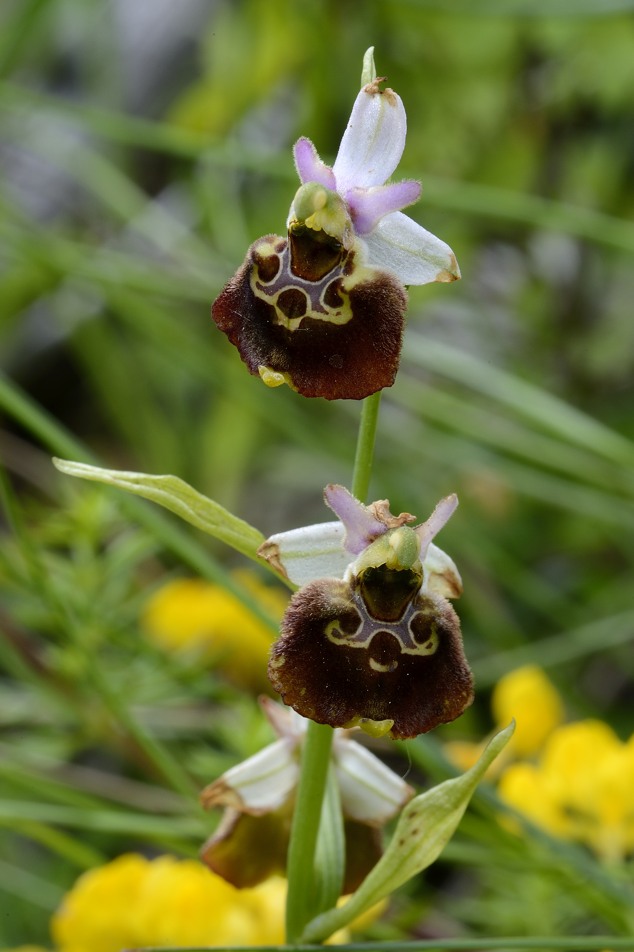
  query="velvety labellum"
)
[
  {"x": 414, "y": 634},
  {"x": 307, "y": 308},
  {"x": 335, "y": 661}
]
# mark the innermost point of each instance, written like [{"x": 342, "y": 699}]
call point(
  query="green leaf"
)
[
  {"x": 180, "y": 498},
  {"x": 425, "y": 826}
]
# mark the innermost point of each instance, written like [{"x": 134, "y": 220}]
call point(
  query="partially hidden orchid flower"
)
[
  {"x": 370, "y": 638},
  {"x": 323, "y": 309},
  {"x": 258, "y": 795}
]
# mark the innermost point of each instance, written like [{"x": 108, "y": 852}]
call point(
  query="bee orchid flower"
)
[
  {"x": 370, "y": 638},
  {"x": 323, "y": 309}
]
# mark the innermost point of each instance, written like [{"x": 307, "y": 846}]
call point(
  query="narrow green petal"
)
[
  {"x": 330, "y": 853},
  {"x": 368, "y": 71}
]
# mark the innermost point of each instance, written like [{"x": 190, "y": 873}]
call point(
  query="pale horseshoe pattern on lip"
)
[
  {"x": 293, "y": 297},
  {"x": 314, "y": 313},
  {"x": 416, "y": 616}
]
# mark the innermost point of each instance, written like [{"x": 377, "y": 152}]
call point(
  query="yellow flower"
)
[
  {"x": 196, "y": 616},
  {"x": 465, "y": 753},
  {"x": 581, "y": 789},
  {"x": 527, "y": 695},
  {"x": 524, "y": 787},
  {"x": 133, "y": 901},
  {"x": 99, "y": 912}
]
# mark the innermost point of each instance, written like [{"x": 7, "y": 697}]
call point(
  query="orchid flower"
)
[
  {"x": 370, "y": 638},
  {"x": 258, "y": 795},
  {"x": 323, "y": 309}
]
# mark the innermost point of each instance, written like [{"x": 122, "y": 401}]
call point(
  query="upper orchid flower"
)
[
  {"x": 369, "y": 153},
  {"x": 370, "y": 638},
  {"x": 322, "y": 310}
]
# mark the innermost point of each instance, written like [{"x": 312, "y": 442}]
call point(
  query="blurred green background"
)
[{"x": 143, "y": 146}]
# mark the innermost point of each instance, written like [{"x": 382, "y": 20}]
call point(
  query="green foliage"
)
[{"x": 136, "y": 171}]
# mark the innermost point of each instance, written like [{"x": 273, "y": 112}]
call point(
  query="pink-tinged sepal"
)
[{"x": 330, "y": 549}]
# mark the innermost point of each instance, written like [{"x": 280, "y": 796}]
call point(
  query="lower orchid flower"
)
[
  {"x": 370, "y": 639},
  {"x": 258, "y": 796},
  {"x": 323, "y": 309}
]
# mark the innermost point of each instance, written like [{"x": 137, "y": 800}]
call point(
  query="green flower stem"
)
[
  {"x": 300, "y": 867},
  {"x": 302, "y": 892},
  {"x": 539, "y": 943},
  {"x": 365, "y": 446}
]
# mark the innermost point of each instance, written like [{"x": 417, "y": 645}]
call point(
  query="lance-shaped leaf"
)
[
  {"x": 424, "y": 828},
  {"x": 180, "y": 498}
]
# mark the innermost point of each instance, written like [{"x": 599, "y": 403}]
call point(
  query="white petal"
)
[
  {"x": 402, "y": 246},
  {"x": 440, "y": 574},
  {"x": 258, "y": 785},
  {"x": 373, "y": 142},
  {"x": 309, "y": 553},
  {"x": 370, "y": 791}
]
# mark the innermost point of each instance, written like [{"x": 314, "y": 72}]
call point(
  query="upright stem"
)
[
  {"x": 300, "y": 903},
  {"x": 300, "y": 866},
  {"x": 365, "y": 446}
]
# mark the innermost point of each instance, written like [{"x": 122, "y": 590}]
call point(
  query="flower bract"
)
[
  {"x": 370, "y": 638},
  {"x": 322, "y": 309}
]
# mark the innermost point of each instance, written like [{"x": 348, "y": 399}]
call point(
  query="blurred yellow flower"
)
[
  {"x": 133, "y": 901},
  {"x": 581, "y": 789},
  {"x": 192, "y": 615},
  {"x": 527, "y": 695},
  {"x": 465, "y": 753}
]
